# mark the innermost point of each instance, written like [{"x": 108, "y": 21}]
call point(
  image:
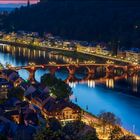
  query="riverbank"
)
[
  {"x": 78, "y": 53},
  {"x": 94, "y": 121}
]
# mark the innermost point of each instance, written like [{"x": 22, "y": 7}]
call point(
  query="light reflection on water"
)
[
  {"x": 113, "y": 96},
  {"x": 98, "y": 99}
]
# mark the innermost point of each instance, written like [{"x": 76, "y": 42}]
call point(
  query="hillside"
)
[{"x": 91, "y": 20}]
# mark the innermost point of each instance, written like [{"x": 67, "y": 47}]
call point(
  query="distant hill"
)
[
  {"x": 6, "y": 9},
  {"x": 10, "y": 7},
  {"x": 111, "y": 21}
]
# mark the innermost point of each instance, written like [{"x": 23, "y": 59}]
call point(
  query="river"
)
[{"x": 121, "y": 97}]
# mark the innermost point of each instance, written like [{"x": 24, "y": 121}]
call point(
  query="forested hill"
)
[{"x": 96, "y": 20}]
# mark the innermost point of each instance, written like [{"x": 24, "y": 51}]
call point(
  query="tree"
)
[
  {"x": 90, "y": 135},
  {"x": 108, "y": 119},
  {"x": 116, "y": 133},
  {"x": 54, "y": 124},
  {"x": 128, "y": 137},
  {"x": 16, "y": 92},
  {"x": 48, "y": 134},
  {"x": 119, "y": 18},
  {"x": 57, "y": 87},
  {"x": 2, "y": 137},
  {"x": 44, "y": 134},
  {"x": 71, "y": 129}
]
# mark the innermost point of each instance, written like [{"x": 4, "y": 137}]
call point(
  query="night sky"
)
[{"x": 16, "y": 1}]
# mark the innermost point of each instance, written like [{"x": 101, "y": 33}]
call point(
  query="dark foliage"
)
[
  {"x": 116, "y": 133},
  {"x": 112, "y": 21},
  {"x": 58, "y": 87},
  {"x": 71, "y": 131},
  {"x": 54, "y": 124},
  {"x": 16, "y": 92},
  {"x": 128, "y": 137}
]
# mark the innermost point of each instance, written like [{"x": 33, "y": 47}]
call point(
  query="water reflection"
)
[
  {"x": 35, "y": 55},
  {"x": 110, "y": 83},
  {"x": 18, "y": 56},
  {"x": 135, "y": 83}
]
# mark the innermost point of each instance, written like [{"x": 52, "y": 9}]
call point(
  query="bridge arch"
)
[
  {"x": 118, "y": 70},
  {"x": 81, "y": 72},
  {"x": 40, "y": 72},
  {"x": 100, "y": 69},
  {"x": 62, "y": 73},
  {"x": 24, "y": 73}
]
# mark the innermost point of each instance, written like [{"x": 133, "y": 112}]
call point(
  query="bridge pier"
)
[
  {"x": 109, "y": 69},
  {"x": 52, "y": 70},
  {"x": 71, "y": 78},
  {"x": 71, "y": 70},
  {"x": 91, "y": 70},
  {"x": 90, "y": 76},
  {"x": 32, "y": 75},
  {"x": 125, "y": 68}
]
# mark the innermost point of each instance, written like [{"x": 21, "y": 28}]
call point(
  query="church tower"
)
[{"x": 28, "y": 3}]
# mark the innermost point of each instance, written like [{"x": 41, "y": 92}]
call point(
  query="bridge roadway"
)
[
  {"x": 45, "y": 66},
  {"x": 91, "y": 69},
  {"x": 90, "y": 79}
]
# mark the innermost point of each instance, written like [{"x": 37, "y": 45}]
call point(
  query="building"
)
[
  {"x": 13, "y": 115},
  {"x": 121, "y": 54},
  {"x": 102, "y": 50},
  {"x": 50, "y": 107},
  {"x": 13, "y": 77},
  {"x": 39, "y": 99},
  {"x": 22, "y": 114},
  {"x": 85, "y": 48},
  {"x": 133, "y": 55},
  {"x": 4, "y": 86},
  {"x": 63, "y": 110}
]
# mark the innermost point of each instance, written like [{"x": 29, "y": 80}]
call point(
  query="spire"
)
[{"x": 28, "y": 3}]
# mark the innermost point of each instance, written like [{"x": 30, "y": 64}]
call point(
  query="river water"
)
[{"x": 122, "y": 97}]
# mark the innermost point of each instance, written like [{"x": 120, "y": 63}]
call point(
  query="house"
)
[
  {"x": 24, "y": 85},
  {"x": 30, "y": 117},
  {"x": 62, "y": 110},
  {"x": 4, "y": 86},
  {"x": 12, "y": 102},
  {"x": 15, "y": 79},
  {"x": 12, "y": 76},
  {"x": 31, "y": 89},
  {"x": 43, "y": 88},
  {"x": 7, "y": 73},
  {"x": 39, "y": 98},
  {"x": 50, "y": 107},
  {"x": 13, "y": 115},
  {"x": 23, "y": 115},
  {"x": 22, "y": 105}
]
